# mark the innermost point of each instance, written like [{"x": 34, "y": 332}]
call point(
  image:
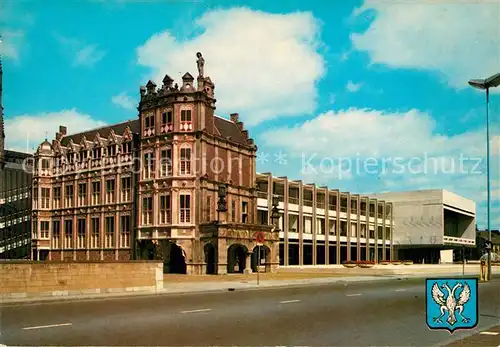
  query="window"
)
[
  {"x": 96, "y": 193},
  {"x": 372, "y": 233},
  {"x": 110, "y": 232},
  {"x": 84, "y": 155},
  {"x": 112, "y": 150},
  {"x": 166, "y": 162},
  {"x": 68, "y": 233},
  {"x": 34, "y": 230},
  {"x": 149, "y": 122},
  {"x": 363, "y": 231},
  {"x": 57, "y": 197},
  {"x": 166, "y": 118},
  {"x": 56, "y": 233},
  {"x": 387, "y": 233},
  {"x": 94, "y": 238},
  {"x": 380, "y": 233},
  {"x": 149, "y": 166},
  {"x": 68, "y": 196},
  {"x": 45, "y": 164},
  {"x": 165, "y": 209},
  {"x": 125, "y": 231},
  {"x": 233, "y": 210},
  {"x": 208, "y": 209},
  {"x": 44, "y": 230},
  {"x": 126, "y": 147},
  {"x": 185, "y": 161},
  {"x": 110, "y": 191},
  {"x": 126, "y": 189},
  {"x": 45, "y": 197},
  {"x": 244, "y": 212},
  {"x": 35, "y": 198},
  {"x": 185, "y": 210},
  {"x": 147, "y": 211},
  {"x": 186, "y": 124},
  {"x": 343, "y": 228},
  {"x": 82, "y": 194},
  {"x": 185, "y": 116},
  {"x": 81, "y": 233},
  {"x": 96, "y": 153}
]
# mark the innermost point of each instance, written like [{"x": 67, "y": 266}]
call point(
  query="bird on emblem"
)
[{"x": 450, "y": 305}]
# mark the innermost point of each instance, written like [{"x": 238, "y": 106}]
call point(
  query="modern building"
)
[
  {"x": 15, "y": 197},
  {"x": 178, "y": 183},
  {"x": 319, "y": 225},
  {"x": 431, "y": 226}
]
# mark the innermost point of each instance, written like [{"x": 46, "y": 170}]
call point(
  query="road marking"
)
[
  {"x": 195, "y": 311},
  {"x": 400, "y": 290},
  {"x": 489, "y": 333},
  {"x": 48, "y": 326},
  {"x": 353, "y": 294},
  {"x": 288, "y": 301}
]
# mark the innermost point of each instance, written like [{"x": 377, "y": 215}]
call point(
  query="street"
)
[{"x": 357, "y": 314}]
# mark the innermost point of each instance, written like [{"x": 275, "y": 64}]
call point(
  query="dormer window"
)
[
  {"x": 84, "y": 155},
  {"x": 166, "y": 121},
  {"x": 112, "y": 150},
  {"x": 96, "y": 153},
  {"x": 126, "y": 147},
  {"x": 186, "y": 121}
]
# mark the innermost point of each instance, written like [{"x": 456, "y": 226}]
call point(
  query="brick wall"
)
[{"x": 28, "y": 279}]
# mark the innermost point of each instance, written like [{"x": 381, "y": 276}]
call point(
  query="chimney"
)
[
  {"x": 234, "y": 117},
  {"x": 239, "y": 125},
  {"x": 245, "y": 134},
  {"x": 63, "y": 130}
]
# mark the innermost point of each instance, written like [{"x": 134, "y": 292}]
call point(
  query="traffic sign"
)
[{"x": 260, "y": 237}]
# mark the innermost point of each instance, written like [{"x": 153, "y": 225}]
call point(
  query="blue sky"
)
[{"x": 320, "y": 85}]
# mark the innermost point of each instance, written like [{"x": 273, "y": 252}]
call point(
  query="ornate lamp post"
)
[{"x": 222, "y": 203}]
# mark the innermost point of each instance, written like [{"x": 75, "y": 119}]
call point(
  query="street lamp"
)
[{"x": 486, "y": 84}]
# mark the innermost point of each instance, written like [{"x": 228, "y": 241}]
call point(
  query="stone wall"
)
[{"x": 21, "y": 279}]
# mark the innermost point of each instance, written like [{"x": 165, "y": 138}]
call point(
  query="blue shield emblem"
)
[{"x": 451, "y": 303}]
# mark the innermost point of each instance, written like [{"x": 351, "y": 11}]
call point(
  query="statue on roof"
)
[{"x": 201, "y": 63}]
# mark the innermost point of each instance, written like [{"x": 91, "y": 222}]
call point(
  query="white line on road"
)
[
  {"x": 288, "y": 301},
  {"x": 400, "y": 290},
  {"x": 195, "y": 311},
  {"x": 48, "y": 326},
  {"x": 489, "y": 333},
  {"x": 353, "y": 294}
]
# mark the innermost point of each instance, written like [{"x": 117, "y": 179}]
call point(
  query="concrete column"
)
[
  {"x": 348, "y": 222},
  {"x": 327, "y": 226},
  {"x": 286, "y": 226},
  {"x": 301, "y": 223},
  {"x": 383, "y": 231},
  {"x": 337, "y": 221},
  {"x": 358, "y": 225},
  {"x": 248, "y": 263},
  {"x": 376, "y": 231}
]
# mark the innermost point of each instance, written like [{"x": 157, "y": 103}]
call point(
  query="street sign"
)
[{"x": 260, "y": 237}]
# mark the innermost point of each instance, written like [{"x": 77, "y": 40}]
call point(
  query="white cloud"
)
[
  {"x": 386, "y": 151},
  {"x": 263, "y": 65},
  {"x": 82, "y": 54},
  {"x": 459, "y": 39},
  {"x": 10, "y": 42},
  {"x": 125, "y": 101},
  {"x": 372, "y": 133},
  {"x": 25, "y": 132},
  {"x": 353, "y": 87}
]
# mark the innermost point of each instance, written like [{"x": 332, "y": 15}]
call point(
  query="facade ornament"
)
[{"x": 201, "y": 64}]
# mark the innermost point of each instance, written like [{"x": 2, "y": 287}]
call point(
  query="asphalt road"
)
[{"x": 358, "y": 314}]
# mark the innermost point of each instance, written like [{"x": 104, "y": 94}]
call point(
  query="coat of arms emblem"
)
[{"x": 452, "y": 303}]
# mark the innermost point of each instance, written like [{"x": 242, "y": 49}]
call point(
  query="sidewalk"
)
[
  {"x": 489, "y": 337},
  {"x": 193, "y": 285}
]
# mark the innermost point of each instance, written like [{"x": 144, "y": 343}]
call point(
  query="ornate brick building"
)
[{"x": 178, "y": 183}]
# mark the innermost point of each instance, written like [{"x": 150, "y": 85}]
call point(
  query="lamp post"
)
[{"x": 486, "y": 84}]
